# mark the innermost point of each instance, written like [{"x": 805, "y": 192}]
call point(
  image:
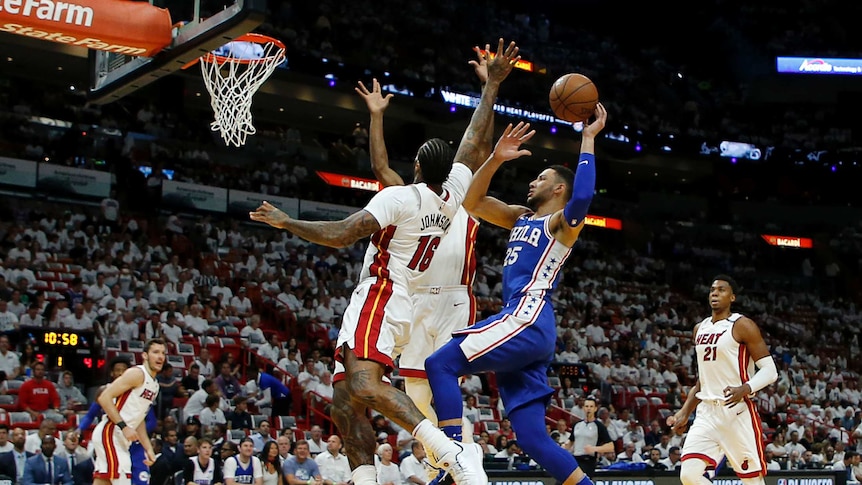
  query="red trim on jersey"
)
[
  {"x": 381, "y": 239},
  {"x": 113, "y": 471},
  {"x": 758, "y": 438},
  {"x": 750, "y": 475},
  {"x": 445, "y": 195},
  {"x": 421, "y": 374},
  {"x": 370, "y": 320},
  {"x": 743, "y": 362},
  {"x": 471, "y": 320},
  {"x": 468, "y": 274},
  {"x": 123, "y": 398},
  {"x": 535, "y": 276},
  {"x": 699, "y": 456}
]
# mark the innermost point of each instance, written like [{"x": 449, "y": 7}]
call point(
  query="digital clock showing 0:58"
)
[{"x": 61, "y": 338}]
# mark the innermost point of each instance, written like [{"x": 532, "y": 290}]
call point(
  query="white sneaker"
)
[{"x": 464, "y": 463}]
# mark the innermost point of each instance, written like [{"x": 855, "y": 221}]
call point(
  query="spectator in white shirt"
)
[
  {"x": 241, "y": 304},
  {"x": 171, "y": 330},
  {"x": 15, "y": 305},
  {"x": 286, "y": 299},
  {"x": 110, "y": 270},
  {"x": 252, "y": 333},
  {"x": 138, "y": 301},
  {"x": 100, "y": 289},
  {"x": 270, "y": 350},
  {"x": 195, "y": 323},
  {"x": 127, "y": 328},
  {"x": 8, "y": 320},
  {"x": 10, "y": 361},
  {"x": 471, "y": 412},
  {"x": 172, "y": 270},
  {"x": 77, "y": 320},
  {"x": 222, "y": 289},
  {"x": 206, "y": 365},
  {"x": 211, "y": 414},
  {"x": 32, "y": 318},
  {"x": 471, "y": 385},
  {"x": 118, "y": 300},
  {"x": 414, "y": 471},
  {"x": 173, "y": 308},
  {"x": 21, "y": 271},
  {"x": 333, "y": 465},
  {"x": 20, "y": 251}
]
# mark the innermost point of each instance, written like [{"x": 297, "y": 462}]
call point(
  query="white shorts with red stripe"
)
[
  {"x": 437, "y": 312},
  {"x": 376, "y": 324},
  {"x": 111, "y": 454},
  {"x": 734, "y": 432}
]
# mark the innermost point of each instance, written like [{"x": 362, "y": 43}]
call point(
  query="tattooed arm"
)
[
  {"x": 335, "y": 234},
  {"x": 470, "y": 149}
]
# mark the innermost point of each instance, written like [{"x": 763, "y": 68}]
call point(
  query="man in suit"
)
[
  {"x": 12, "y": 462},
  {"x": 79, "y": 461},
  {"x": 46, "y": 468}
]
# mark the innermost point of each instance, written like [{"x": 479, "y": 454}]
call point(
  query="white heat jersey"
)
[
  {"x": 135, "y": 403},
  {"x": 413, "y": 221},
  {"x": 721, "y": 360},
  {"x": 454, "y": 262}
]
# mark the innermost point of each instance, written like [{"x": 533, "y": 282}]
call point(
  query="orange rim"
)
[{"x": 250, "y": 37}]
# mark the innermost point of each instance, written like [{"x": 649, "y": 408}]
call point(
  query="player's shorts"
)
[
  {"x": 140, "y": 471},
  {"x": 375, "y": 325},
  {"x": 111, "y": 454},
  {"x": 734, "y": 432},
  {"x": 517, "y": 344},
  {"x": 437, "y": 312}
]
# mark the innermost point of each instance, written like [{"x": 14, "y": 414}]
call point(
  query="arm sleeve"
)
[
  {"x": 582, "y": 191},
  {"x": 766, "y": 374},
  {"x": 94, "y": 413}
]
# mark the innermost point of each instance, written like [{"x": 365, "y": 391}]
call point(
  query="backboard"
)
[{"x": 114, "y": 75}]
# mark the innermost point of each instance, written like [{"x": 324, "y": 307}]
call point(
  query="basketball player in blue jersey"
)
[
  {"x": 729, "y": 346},
  {"x": 518, "y": 343}
]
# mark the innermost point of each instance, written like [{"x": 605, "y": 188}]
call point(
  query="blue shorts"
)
[
  {"x": 518, "y": 344},
  {"x": 140, "y": 471}
]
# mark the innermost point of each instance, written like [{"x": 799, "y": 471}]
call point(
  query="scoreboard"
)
[{"x": 66, "y": 349}]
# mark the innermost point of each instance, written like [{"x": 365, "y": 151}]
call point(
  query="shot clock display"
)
[{"x": 65, "y": 349}]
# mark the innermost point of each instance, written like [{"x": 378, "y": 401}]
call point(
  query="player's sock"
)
[
  {"x": 466, "y": 430},
  {"x": 585, "y": 481},
  {"x": 365, "y": 475},
  {"x": 443, "y": 368},
  {"x": 454, "y": 432}
]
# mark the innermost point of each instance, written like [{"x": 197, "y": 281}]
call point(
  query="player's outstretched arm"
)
[
  {"x": 377, "y": 104},
  {"x": 477, "y": 202},
  {"x": 480, "y": 67},
  {"x": 568, "y": 223},
  {"x": 130, "y": 379},
  {"x": 334, "y": 234},
  {"x": 470, "y": 148}
]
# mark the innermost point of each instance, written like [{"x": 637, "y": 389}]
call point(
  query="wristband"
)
[{"x": 122, "y": 425}]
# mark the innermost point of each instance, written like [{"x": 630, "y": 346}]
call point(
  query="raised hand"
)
[
  {"x": 374, "y": 99},
  {"x": 501, "y": 63},
  {"x": 480, "y": 65},
  {"x": 269, "y": 214},
  {"x": 593, "y": 129},
  {"x": 509, "y": 145}
]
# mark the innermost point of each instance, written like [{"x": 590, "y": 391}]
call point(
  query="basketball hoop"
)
[{"x": 232, "y": 74}]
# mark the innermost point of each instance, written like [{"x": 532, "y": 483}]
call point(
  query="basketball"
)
[{"x": 573, "y": 97}]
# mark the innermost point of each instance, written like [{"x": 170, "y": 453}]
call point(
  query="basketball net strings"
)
[{"x": 232, "y": 92}]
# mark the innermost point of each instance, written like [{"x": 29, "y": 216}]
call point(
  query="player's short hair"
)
[
  {"x": 435, "y": 160},
  {"x": 566, "y": 176},
  {"x": 594, "y": 400},
  {"x": 154, "y": 341},
  {"x": 730, "y": 281}
]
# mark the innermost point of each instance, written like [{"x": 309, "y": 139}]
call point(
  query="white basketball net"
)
[{"x": 232, "y": 86}]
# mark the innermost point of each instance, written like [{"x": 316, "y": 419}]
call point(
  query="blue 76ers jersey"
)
[{"x": 534, "y": 258}]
